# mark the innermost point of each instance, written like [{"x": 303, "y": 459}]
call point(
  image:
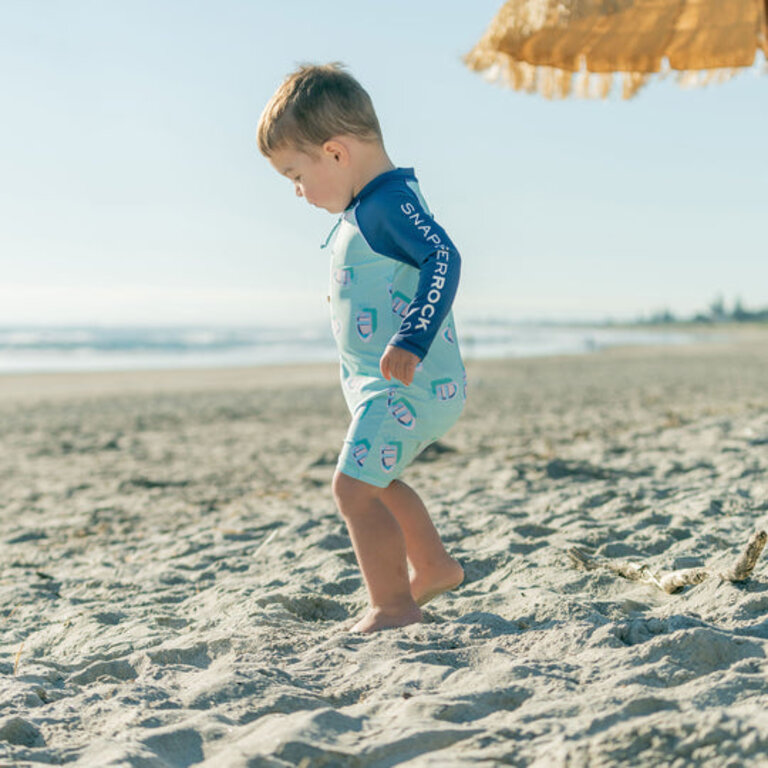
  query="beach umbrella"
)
[{"x": 539, "y": 45}]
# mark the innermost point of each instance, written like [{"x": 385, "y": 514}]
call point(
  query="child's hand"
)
[{"x": 399, "y": 364}]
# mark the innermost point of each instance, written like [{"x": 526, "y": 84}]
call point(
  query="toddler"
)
[{"x": 394, "y": 273}]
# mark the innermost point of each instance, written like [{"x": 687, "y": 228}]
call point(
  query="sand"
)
[{"x": 176, "y": 584}]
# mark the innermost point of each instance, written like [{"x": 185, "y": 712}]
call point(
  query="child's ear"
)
[{"x": 337, "y": 150}]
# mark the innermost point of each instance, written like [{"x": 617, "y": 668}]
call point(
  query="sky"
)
[{"x": 132, "y": 190}]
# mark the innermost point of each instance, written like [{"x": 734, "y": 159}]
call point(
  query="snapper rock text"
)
[{"x": 427, "y": 311}]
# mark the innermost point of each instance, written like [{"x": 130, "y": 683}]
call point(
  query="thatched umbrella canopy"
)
[{"x": 538, "y": 45}]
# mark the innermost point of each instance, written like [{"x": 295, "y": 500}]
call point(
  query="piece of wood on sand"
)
[
  {"x": 675, "y": 581},
  {"x": 743, "y": 567}
]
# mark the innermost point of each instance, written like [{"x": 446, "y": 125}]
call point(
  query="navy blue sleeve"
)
[{"x": 395, "y": 224}]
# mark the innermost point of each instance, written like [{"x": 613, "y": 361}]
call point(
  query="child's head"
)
[
  {"x": 315, "y": 126},
  {"x": 314, "y": 104}
]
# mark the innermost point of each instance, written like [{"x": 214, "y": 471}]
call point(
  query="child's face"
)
[{"x": 321, "y": 178}]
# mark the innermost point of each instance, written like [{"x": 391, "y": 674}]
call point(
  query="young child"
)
[{"x": 394, "y": 274}]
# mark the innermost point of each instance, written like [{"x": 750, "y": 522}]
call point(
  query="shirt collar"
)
[{"x": 382, "y": 178}]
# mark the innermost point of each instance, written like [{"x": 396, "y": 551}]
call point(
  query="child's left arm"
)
[
  {"x": 400, "y": 227},
  {"x": 398, "y": 363}
]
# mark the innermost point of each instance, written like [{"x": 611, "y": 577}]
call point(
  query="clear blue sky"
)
[{"x": 131, "y": 190}]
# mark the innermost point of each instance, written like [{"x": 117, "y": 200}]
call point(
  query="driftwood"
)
[
  {"x": 675, "y": 581},
  {"x": 743, "y": 567}
]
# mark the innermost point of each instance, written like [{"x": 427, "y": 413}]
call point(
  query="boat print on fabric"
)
[
  {"x": 448, "y": 335},
  {"x": 354, "y": 383},
  {"x": 402, "y": 411},
  {"x": 365, "y": 323},
  {"x": 445, "y": 389},
  {"x": 360, "y": 452},
  {"x": 344, "y": 276},
  {"x": 400, "y": 303},
  {"x": 390, "y": 455}
]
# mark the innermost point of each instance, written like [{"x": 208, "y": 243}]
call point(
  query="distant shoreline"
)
[
  {"x": 109, "y": 350},
  {"x": 36, "y": 385}
]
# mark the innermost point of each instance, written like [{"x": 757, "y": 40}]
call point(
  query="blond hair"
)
[{"x": 313, "y": 104}]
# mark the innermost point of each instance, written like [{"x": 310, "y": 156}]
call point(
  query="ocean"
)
[{"x": 59, "y": 349}]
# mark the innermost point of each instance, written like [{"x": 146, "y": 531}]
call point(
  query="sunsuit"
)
[{"x": 394, "y": 274}]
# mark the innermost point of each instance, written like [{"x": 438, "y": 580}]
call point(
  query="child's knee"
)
[{"x": 351, "y": 492}]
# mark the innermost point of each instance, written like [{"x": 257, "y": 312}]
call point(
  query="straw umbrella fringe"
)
[{"x": 539, "y": 46}]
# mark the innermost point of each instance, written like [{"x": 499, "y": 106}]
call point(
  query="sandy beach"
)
[{"x": 176, "y": 584}]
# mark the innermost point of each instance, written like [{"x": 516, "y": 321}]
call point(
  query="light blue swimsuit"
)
[{"x": 394, "y": 274}]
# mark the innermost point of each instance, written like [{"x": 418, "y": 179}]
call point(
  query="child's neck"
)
[{"x": 372, "y": 161}]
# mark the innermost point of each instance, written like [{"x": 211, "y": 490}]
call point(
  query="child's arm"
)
[
  {"x": 396, "y": 225},
  {"x": 398, "y": 363},
  {"x": 439, "y": 272}
]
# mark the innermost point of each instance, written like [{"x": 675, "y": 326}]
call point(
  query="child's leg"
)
[
  {"x": 434, "y": 570},
  {"x": 380, "y": 550}
]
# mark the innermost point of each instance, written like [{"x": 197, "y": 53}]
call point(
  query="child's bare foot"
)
[
  {"x": 428, "y": 584},
  {"x": 377, "y": 619}
]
